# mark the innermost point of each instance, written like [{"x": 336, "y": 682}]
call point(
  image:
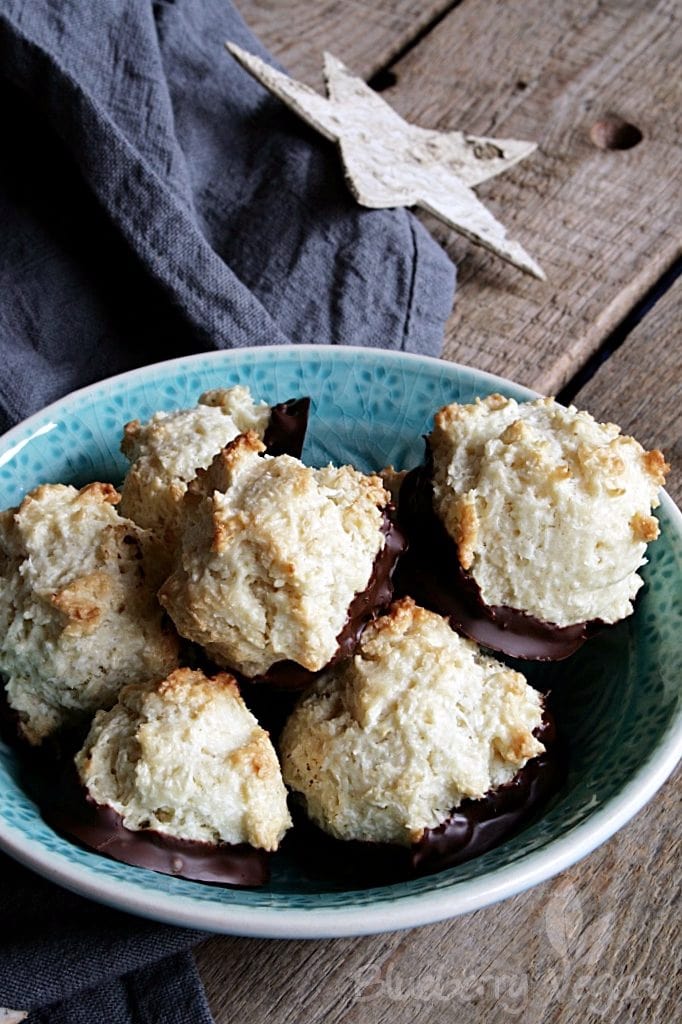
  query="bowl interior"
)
[{"x": 617, "y": 699}]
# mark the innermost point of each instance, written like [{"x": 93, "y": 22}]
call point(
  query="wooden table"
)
[{"x": 604, "y": 224}]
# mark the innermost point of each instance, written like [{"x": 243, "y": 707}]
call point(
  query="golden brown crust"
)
[
  {"x": 181, "y": 678},
  {"x": 389, "y": 742},
  {"x": 466, "y": 531},
  {"x": 167, "y": 451},
  {"x": 450, "y": 414},
  {"x": 516, "y": 431},
  {"x": 136, "y": 756},
  {"x": 656, "y": 466},
  {"x": 225, "y": 531},
  {"x": 129, "y": 441},
  {"x": 496, "y": 401},
  {"x": 84, "y": 610},
  {"x": 83, "y": 601},
  {"x": 94, "y": 492},
  {"x": 520, "y": 746},
  {"x": 644, "y": 528},
  {"x": 273, "y": 553},
  {"x": 392, "y": 479},
  {"x": 217, "y": 476},
  {"x": 100, "y": 492},
  {"x": 549, "y": 509},
  {"x": 257, "y": 757},
  {"x": 605, "y": 461},
  {"x": 399, "y": 616}
]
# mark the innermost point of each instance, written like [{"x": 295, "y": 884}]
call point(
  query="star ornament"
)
[{"x": 389, "y": 162}]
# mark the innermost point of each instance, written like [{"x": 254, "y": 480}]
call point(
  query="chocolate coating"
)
[
  {"x": 49, "y": 776},
  {"x": 472, "y": 829},
  {"x": 364, "y": 606},
  {"x": 432, "y": 574},
  {"x": 477, "y": 826},
  {"x": 10, "y": 727},
  {"x": 101, "y": 829},
  {"x": 285, "y": 432}
]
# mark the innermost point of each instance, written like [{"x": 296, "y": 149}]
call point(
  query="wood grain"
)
[
  {"x": 365, "y": 35},
  {"x": 617, "y": 911},
  {"x": 640, "y": 386},
  {"x": 602, "y": 224},
  {"x": 612, "y": 965},
  {"x": 599, "y": 942}
]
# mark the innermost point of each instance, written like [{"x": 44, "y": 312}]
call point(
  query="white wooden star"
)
[{"x": 389, "y": 162}]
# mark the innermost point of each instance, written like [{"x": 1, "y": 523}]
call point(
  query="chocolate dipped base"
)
[
  {"x": 49, "y": 776},
  {"x": 376, "y": 596},
  {"x": 477, "y": 826},
  {"x": 472, "y": 829},
  {"x": 286, "y": 429},
  {"x": 431, "y": 573},
  {"x": 101, "y": 829}
]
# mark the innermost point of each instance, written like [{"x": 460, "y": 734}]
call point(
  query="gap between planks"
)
[
  {"x": 645, "y": 307},
  {"x": 602, "y": 223},
  {"x": 384, "y": 77},
  {"x": 636, "y": 874},
  {"x": 640, "y": 385},
  {"x": 367, "y": 36},
  {"x": 494, "y": 965}
]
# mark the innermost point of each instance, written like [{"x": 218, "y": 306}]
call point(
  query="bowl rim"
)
[{"x": 406, "y": 911}]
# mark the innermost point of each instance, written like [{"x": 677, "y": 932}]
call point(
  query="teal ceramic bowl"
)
[{"x": 618, "y": 698}]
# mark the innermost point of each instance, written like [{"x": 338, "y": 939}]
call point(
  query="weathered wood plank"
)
[
  {"x": 619, "y": 965},
  {"x": 619, "y": 962},
  {"x": 365, "y": 35},
  {"x": 640, "y": 386},
  {"x": 602, "y": 223}
]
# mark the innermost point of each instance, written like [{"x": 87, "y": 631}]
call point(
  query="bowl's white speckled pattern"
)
[{"x": 619, "y": 696}]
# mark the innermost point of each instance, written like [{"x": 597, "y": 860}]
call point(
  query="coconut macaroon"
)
[
  {"x": 388, "y": 744},
  {"x": 78, "y": 612},
  {"x": 166, "y": 452},
  {"x": 273, "y": 553},
  {"x": 186, "y": 758},
  {"x": 549, "y": 509}
]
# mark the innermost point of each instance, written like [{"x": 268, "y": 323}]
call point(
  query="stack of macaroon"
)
[{"x": 227, "y": 568}]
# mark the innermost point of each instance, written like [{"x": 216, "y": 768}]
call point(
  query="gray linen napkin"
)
[{"x": 155, "y": 201}]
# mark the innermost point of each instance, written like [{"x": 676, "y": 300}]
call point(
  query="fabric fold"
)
[
  {"x": 62, "y": 956},
  {"x": 213, "y": 205},
  {"x": 155, "y": 201}
]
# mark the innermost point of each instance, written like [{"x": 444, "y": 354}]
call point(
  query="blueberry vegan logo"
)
[
  {"x": 564, "y": 925},
  {"x": 580, "y": 975},
  {"x": 579, "y": 949},
  {"x": 576, "y": 976},
  {"x": 445, "y": 985}
]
